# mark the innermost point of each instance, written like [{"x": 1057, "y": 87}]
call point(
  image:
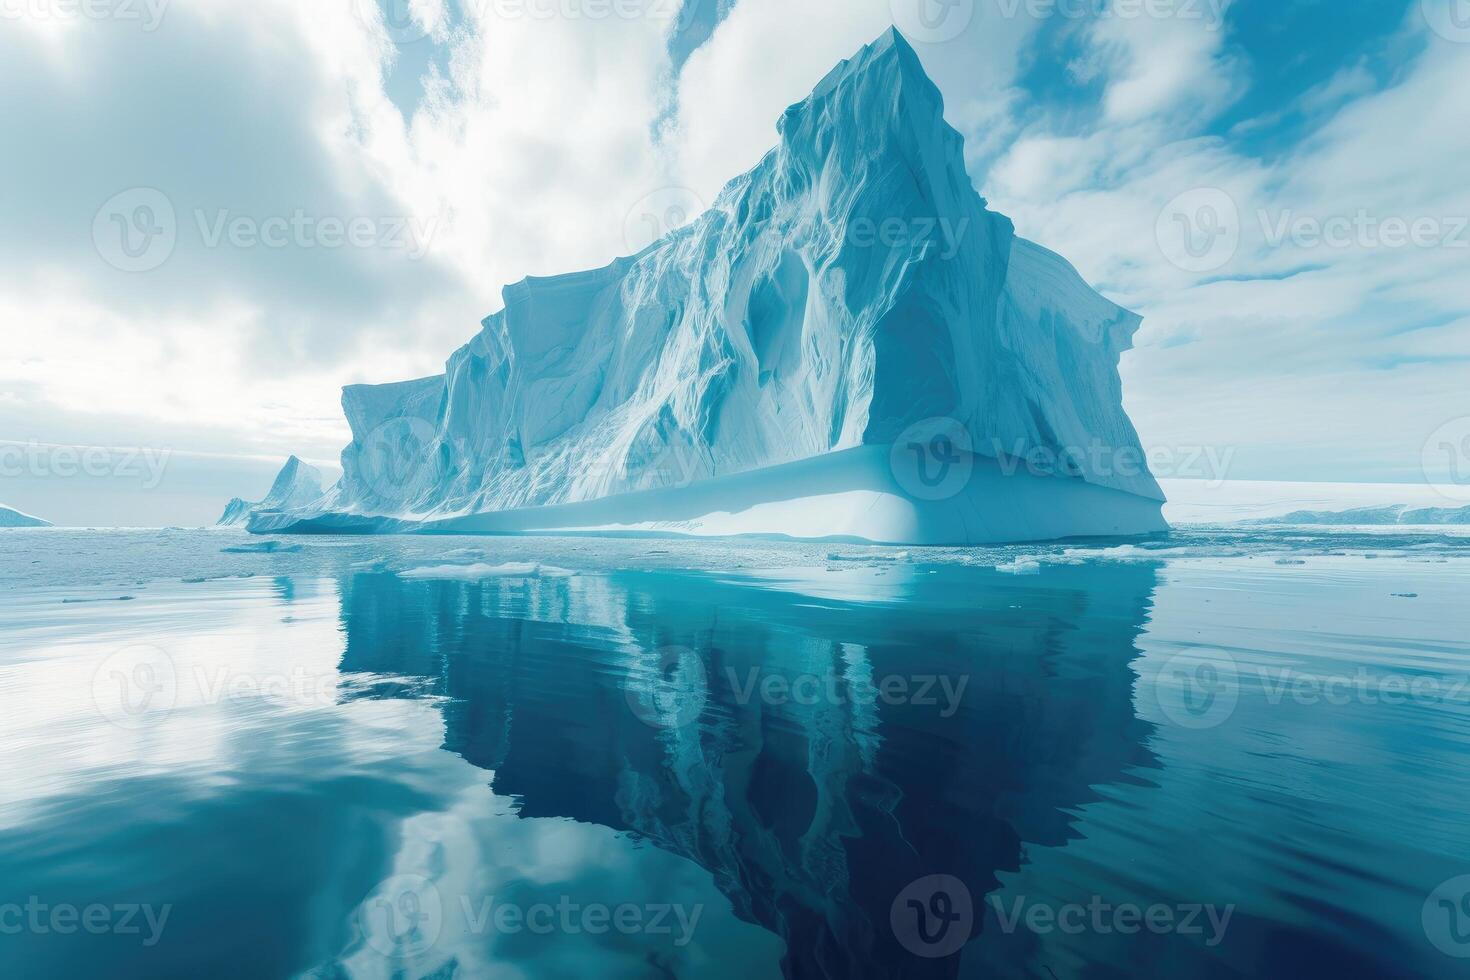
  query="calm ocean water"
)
[{"x": 1206, "y": 760}]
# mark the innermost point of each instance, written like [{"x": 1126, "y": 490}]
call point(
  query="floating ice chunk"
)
[
  {"x": 478, "y": 572},
  {"x": 262, "y": 548}
]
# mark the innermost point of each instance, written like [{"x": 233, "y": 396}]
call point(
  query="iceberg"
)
[
  {"x": 1394, "y": 515},
  {"x": 298, "y": 486},
  {"x": 9, "y": 517},
  {"x": 847, "y": 345}
]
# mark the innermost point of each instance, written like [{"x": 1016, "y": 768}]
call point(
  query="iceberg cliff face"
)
[
  {"x": 851, "y": 287},
  {"x": 297, "y": 487}
]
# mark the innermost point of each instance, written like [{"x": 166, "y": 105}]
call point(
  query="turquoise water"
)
[{"x": 1197, "y": 758}]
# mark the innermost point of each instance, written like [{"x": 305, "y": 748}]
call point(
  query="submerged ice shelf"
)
[{"x": 848, "y": 344}]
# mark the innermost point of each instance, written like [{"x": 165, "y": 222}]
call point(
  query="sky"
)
[{"x": 214, "y": 215}]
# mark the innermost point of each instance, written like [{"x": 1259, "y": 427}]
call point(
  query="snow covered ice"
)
[{"x": 847, "y": 345}]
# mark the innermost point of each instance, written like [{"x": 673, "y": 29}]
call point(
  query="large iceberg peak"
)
[
  {"x": 884, "y": 84},
  {"x": 851, "y": 286},
  {"x": 877, "y": 117}
]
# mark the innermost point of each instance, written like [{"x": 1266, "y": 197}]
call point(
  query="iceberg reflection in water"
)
[
  {"x": 880, "y": 770},
  {"x": 815, "y": 755}
]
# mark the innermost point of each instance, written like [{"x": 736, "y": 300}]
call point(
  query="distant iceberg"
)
[
  {"x": 297, "y": 487},
  {"x": 847, "y": 345},
  {"x": 1397, "y": 514},
  {"x": 9, "y": 517}
]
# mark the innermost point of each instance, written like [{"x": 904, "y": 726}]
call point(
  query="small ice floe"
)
[
  {"x": 480, "y": 571},
  {"x": 1021, "y": 566},
  {"x": 373, "y": 565},
  {"x": 262, "y": 548},
  {"x": 868, "y": 557},
  {"x": 463, "y": 554}
]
